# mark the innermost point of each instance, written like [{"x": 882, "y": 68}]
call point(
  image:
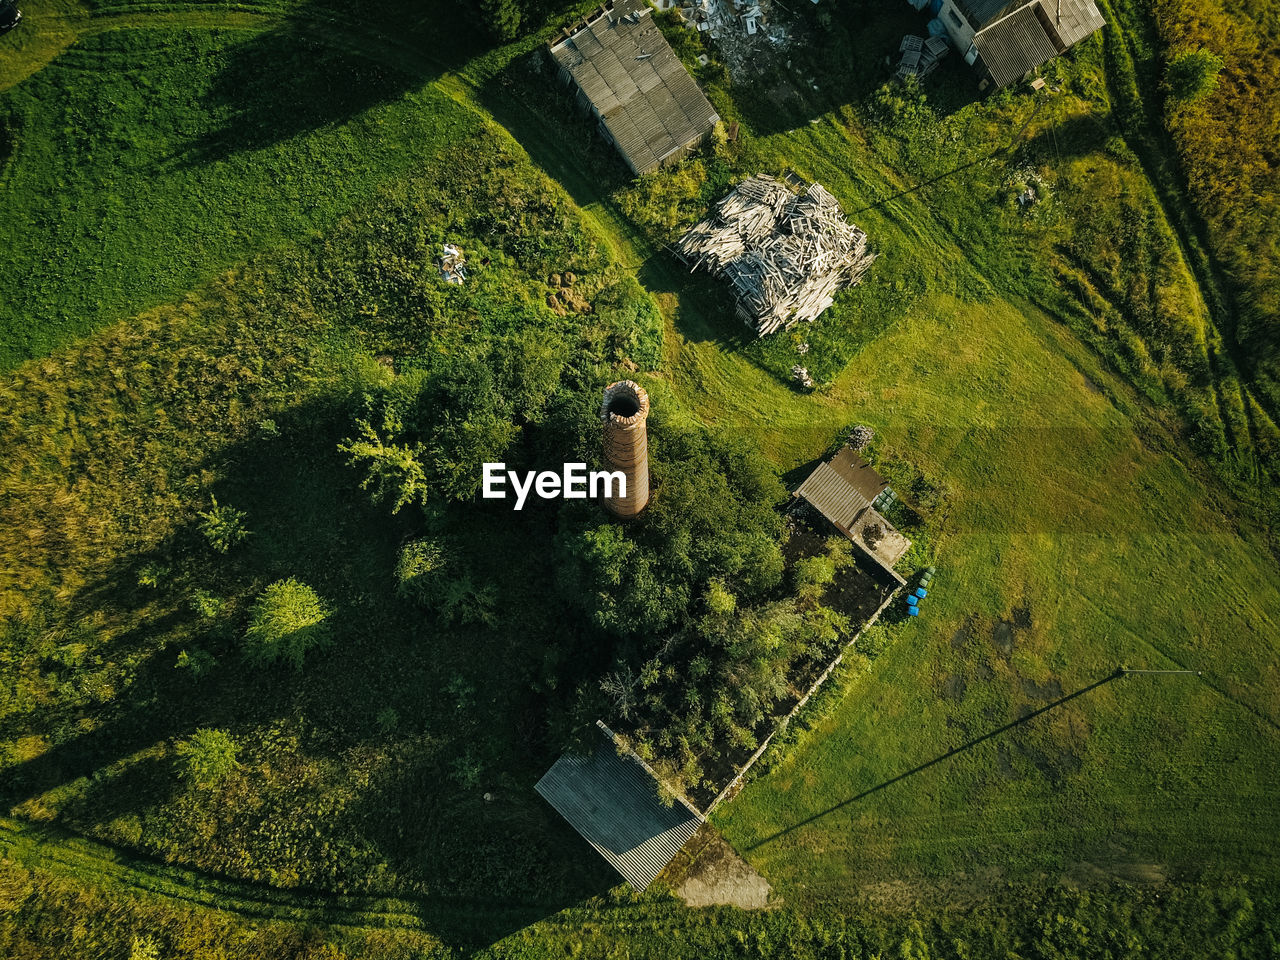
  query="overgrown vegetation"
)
[
  {"x": 1223, "y": 64},
  {"x": 468, "y": 643}
]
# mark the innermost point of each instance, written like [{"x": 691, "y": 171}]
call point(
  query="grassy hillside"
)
[
  {"x": 370, "y": 774},
  {"x": 143, "y": 162},
  {"x": 1043, "y": 385},
  {"x": 1073, "y": 504}
]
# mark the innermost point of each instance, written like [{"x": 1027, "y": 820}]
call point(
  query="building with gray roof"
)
[
  {"x": 1007, "y": 39},
  {"x": 612, "y": 799},
  {"x": 630, "y": 79}
]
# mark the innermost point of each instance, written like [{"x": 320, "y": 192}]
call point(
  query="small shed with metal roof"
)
[
  {"x": 630, "y": 79},
  {"x": 846, "y": 490},
  {"x": 611, "y": 797}
]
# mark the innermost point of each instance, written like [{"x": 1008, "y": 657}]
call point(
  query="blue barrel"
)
[
  {"x": 912, "y": 600},
  {"x": 914, "y": 611},
  {"x": 935, "y": 7},
  {"x": 937, "y": 28}
]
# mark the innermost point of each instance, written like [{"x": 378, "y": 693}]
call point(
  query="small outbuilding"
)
[
  {"x": 612, "y": 799},
  {"x": 846, "y": 490},
  {"x": 1007, "y": 39},
  {"x": 630, "y": 79}
]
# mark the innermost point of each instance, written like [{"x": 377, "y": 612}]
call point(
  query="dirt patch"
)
[
  {"x": 959, "y": 726},
  {"x": 713, "y": 875},
  {"x": 954, "y": 687},
  {"x": 963, "y": 635},
  {"x": 1055, "y": 765},
  {"x": 1004, "y": 763},
  {"x": 1089, "y": 874},
  {"x": 1002, "y": 637},
  {"x": 1049, "y": 690},
  {"x": 1022, "y": 618},
  {"x": 984, "y": 671}
]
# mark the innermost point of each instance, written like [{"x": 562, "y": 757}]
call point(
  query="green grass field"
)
[
  {"x": 147, "y": 161},
  {"x": 204, "y": 243}
]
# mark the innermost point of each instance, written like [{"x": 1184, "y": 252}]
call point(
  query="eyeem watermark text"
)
[{"x": 574, "y": 483}]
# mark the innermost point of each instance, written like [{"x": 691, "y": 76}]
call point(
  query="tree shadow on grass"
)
[
  {"x": 473, "y": 870},
  {"x": 1074, "y": 136},
  {"x": 1023, "y": 717},
  {"x": 528, "y": 100},
  {"x": 325, "y": 65}
]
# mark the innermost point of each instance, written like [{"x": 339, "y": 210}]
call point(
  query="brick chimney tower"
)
[{"x": 626, "y": 444}]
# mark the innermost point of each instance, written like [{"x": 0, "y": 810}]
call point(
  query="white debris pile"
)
[
  {"x": 747, "y": 33},
  {"x": 785, "y": 254},
  {"x": 452, "y": 265}
]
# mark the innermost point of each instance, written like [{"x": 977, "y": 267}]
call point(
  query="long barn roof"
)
[
  {"x": 646, "y": 99},
  {"x": 612, "y": 800}
]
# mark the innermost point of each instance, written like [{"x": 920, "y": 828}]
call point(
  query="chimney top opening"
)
[{"x": 623, "y": 405}]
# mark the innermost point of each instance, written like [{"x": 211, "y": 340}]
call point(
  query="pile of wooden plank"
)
[{"x": 785, "y": 254}]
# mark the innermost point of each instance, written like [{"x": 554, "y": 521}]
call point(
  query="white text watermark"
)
[{"x": 573, "y": 483}]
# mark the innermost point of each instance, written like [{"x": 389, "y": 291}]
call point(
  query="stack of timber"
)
[{"x": 785, "y": 254}]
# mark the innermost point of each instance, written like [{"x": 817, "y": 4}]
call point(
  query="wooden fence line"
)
[{"x": 786, "y": 721}]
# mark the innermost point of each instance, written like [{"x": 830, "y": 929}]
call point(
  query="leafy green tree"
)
[
  {"x": 1192, "y": 75},
  {"x": 223, "y": 526},
  {"x": 287, "y": 621},
  {"x": 425, "y": 576},
  {"x": 426, "y": 433},
  {"x": 713, "y": 517},
  {"x": 501, "y": 18},
  {"x": 207, "y": 757},
  {"x": 393, "y": 471}
]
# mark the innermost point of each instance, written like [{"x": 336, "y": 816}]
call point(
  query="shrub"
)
[
  {"x": 1192, "y": 75},
  {"x": 222, "y": 526},
  {"x": 151, "y": 574},
  {"x": 207, "y": 757},
  {"x": 206, "y": 604},
  {"x": 199, "y": 662},
  {"x": 287, "y": 620},
  {"x": 388, "y": 720}
]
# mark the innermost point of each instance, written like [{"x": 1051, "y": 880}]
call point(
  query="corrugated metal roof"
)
[
  {"x": 1012, "y": 47},
  {"x": 612, "y": 800},
  {"x": 833, "y": 497},
  {"x": 645, "y": 98},
  {"x": 858, "y": 473},
  {"x": 838, "y": 489},
  {"x": 1072, "y": 20},
  {"x": 981, "y": 12}
]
